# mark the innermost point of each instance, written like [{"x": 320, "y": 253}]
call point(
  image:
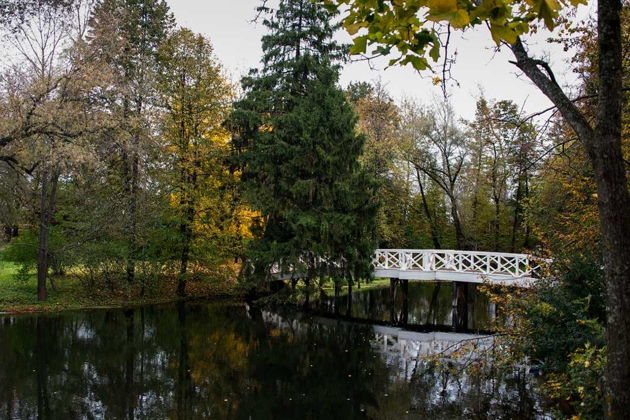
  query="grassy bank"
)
[
  {"x": 19, "y": 295},
  {"x": 329, "y": 287}
]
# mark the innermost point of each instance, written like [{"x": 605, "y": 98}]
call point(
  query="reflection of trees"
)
[
  {"x": 445, "y": 389},
  {"x": 210, "y": 361},
  {"x": 445, "y": 392},
  {"x": 313, "y": 373},
  {"x": 428, "y": 303}
]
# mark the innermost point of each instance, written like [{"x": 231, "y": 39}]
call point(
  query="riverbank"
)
[
  {"x": 18, "y": 294},
  {"x": 378, "y": 283}
]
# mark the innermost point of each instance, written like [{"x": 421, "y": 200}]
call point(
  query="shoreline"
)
[{"x": 55, "y": 308}]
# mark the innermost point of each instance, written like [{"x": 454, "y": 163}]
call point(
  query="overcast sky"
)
[{"x": 479, "y": 67}]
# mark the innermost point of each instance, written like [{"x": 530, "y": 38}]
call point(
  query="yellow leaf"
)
[
  {"x": 460, "y": 19},
  {"x": 503, "y": 33},
  {"x": 353, "y": 28},
  {"x": 442, "y": 6}
]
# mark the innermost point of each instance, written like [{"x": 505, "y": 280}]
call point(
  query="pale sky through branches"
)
[{"x": 479, "y": 67}]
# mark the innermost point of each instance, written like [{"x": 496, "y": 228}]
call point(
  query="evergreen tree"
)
[{"x": 295, "y": 137}]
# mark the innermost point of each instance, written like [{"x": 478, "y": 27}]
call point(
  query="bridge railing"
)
[{"x": 484, "y": 263}]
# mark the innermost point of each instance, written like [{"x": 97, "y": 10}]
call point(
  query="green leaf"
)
[
  {"x": 503, "y": 33},
  {"x": 418, "y": 63},
  {"x": 434, "y": 52},
  {"x": 360, "y": 45},
  {"x": 547, "y": 11}
]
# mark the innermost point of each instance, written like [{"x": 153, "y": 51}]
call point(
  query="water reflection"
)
[
  {"x": 229, "y": 361},
  {"x": 419, "y": 305}
]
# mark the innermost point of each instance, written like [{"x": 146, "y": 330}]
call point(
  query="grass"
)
[
  {"x": 18, "y": 295},
  {"x": 378, "y": 283}
]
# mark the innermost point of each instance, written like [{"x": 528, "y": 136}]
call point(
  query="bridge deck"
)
[{"x": 444, "y": 275}]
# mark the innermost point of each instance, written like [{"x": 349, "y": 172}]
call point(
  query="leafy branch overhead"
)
[{"x": 410, "y": 27}]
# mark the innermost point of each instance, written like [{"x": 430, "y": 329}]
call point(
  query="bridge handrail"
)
[{"x": 485, "y": 263}]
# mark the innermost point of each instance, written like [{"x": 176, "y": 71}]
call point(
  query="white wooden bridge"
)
[
  {"x": 460, "y": 266},
  {"x": 448, "y": 265}
]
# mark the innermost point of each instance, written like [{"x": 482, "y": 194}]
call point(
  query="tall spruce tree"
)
[{"x": 294, "y": 135}]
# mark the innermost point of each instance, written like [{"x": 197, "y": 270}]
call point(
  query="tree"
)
[
  {"x": 414, "y": 123},
  {"x": 43, "y": 123},
  {"x": 407, "y": 27},
  {"x": 14, "y": 13},
  {"x": 437, "y": 150},
  {"x": 295, "y": 137},
  {"x": 379, "y": 121},
  {"x": 502, "y": 155},
  {"x": 126, "y": 36},
  {"x": 197, "y": 99}
]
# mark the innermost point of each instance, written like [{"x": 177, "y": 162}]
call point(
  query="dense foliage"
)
[
  {"x": 295, "y": 138},
  {"x": 114, "y": 158},
  {"x": 129, "y": 164}
]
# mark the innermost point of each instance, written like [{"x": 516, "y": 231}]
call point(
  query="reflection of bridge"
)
[
  {"x": 458, "y": 266},
  {"x": 396, "y": 345}
]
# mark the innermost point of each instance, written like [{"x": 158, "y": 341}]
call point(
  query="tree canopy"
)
[{"x": 296, "y": 140}]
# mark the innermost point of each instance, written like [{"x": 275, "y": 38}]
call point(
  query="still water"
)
[
  {"x": 234, "y": 361},
  {"x": 424, "y": 306}
]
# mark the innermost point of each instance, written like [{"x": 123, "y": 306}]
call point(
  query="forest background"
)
[{"x": 119, "y": 176}]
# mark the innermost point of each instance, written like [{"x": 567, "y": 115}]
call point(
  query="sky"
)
[{"x": 479, "y": 68}]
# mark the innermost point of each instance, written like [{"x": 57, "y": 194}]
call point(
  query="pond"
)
[
  {"x": 220, "y": 360},
  {"x": 424, "y": 306}
]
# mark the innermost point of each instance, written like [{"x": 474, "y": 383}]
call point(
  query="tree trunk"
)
[
  {"x": 516, "y": 216},
  {"x": 526, "y": 243},
  {"x": 475, "y": 202},
  {"x": 497, "y": 222},
  {"x": 459, "y": 232},
  {"x": 186, "y": 232},
  {"x": 133, "y": 218},
  {"x": 614, "y": 208},
  {"x": 131, "y": 173},
  {"x": 42, "y": 252},
  {"x": 47, "y": 203},
  {"x": 614, "y": 204},
  {"x": 603, "y": 146},
  {"x": 427, "y": 212}
]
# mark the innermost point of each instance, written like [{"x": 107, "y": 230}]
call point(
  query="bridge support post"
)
[
  {"x": 404, "y": 316},
  {"x": 392, "y": 300},
  {"x": 460, "y": 306}
]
